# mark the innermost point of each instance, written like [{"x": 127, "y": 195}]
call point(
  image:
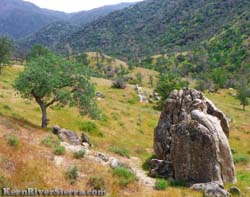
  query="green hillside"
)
[{"x": 154, "y": 27}]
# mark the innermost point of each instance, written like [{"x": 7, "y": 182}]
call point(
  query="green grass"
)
[
  {"x": 6, "y": 107},
  {"x": 241, "y": 158},
  {"x": 120, "y": 151},
  {"x": 91, "y": 128},
  {"x": 79, "y": 154},
  {"x": 118, "y": 110},
  {"x": 161, "y": 184},
  {"x": 125, "y": 175},
  {"x": 50, "y": 141},
  {"x": 59, "y": 150},
  {"x": 103, "y": 133}
]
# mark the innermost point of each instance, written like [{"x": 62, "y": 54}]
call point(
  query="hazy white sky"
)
[{"x": 75, "y": 5}]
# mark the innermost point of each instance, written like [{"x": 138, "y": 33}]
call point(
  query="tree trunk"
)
[
  {"x": 44, "y": 116},
  {"x": 244, "y": 107}
]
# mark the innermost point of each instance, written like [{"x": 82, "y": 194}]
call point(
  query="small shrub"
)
[
  {"x": 178, "y": 183},
  {"x": 161, "y": 184},
  {"x": 125, "y": 175},
  {"x": 7, "y": 107},
  {"x": 97, "y": 183},
  {"x": 50, "y": 142},
  {"x": 133, "y": 100},
  {"x": 119, "y": 84},
  {"x": 72, "y": 174},
  {"x": 12, "y": 140},
  {"x": 91, "y": 128},
  {"x": 120, "y": 151},
  {"x": 59, "y": 150},
  {"x": 243, "y": 176},
  {"x": 79, "y": 154}
]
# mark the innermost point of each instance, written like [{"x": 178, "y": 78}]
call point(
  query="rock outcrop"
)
[
  {"x": 191, "y": 139},
  {"x": 67, "y": 135}
]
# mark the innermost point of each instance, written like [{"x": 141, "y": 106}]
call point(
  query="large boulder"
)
[{"x": 191, "y": 137}]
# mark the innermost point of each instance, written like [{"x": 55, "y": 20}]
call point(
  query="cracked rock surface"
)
[{"x": 191, "y": 139}]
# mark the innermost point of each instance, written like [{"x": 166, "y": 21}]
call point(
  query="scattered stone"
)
[
  {"x": 74, "y": 148},
  {"x": 56, "y": 129},
  {"x": 85, "y": 145},
  {"x": 192, "y": 136},
  {"x": 143, "y": 98},
  {"x": 212, "y": 189},
  {"x": 85, "y": 139},
  {"x": 138, "y": 88},
  {"x": 67, "y": 135},
  {"x": 100, "y": 95},
  {"x": 115, "y": 163},
  {"x": 102, "y": 157},
  {"x": 235, "y": 191}
]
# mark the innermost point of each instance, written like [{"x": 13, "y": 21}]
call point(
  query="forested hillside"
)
[
  {"x": 156, "y": 26},
  {"x": 84, "y": 17},
  {"x": 221, "y": 62},
  {"x": 19, "y": 18}
]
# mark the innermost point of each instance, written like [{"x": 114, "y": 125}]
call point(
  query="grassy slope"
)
[
  {"x": 127, "y": 125},
  {"x": 240, "y": 133}
]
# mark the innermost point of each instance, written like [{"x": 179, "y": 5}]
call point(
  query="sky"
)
[{"x": 75, "y": 5}]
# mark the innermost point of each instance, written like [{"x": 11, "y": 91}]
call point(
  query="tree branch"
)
[{"x": 51, "y": 102}]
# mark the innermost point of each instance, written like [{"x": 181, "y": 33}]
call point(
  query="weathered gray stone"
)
[
  {"x": 192, "y": 136},
  {"x": 235, "y": 191},
  {"x": 212, "y": 189},
  {"x": 67, "y": 135},
  {"x": 85, "y": 139}
]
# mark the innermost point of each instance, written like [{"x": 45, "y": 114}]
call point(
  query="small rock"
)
[
  {"x": 85, "y": 139},
  {"x": 212, "y": 189},
  {"x": 100, "y": 95},
  {"x": 73, "y": 148},
  {"x": 85, "y": 145},
  {"x": 102, "y": 157},
  {"x": 56, "y": 129},
  {"x": 114, "y": 163},
  {"x": 234, "y": 191}
]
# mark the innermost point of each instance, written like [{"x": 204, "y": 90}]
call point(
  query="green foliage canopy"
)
[
  {"x": 167, "y": 83},
  {"x": 50, "y": 79},
  {"x": 4, "y": 51}
]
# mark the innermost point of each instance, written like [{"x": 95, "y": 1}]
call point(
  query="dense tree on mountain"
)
[
  {"x": 156, "y": 27},
  {"x": 167, "y": 83},
  {"x": 4, "y": 51},
  {"x": 82, "y": 59},
  {"x": 52, "y": 80},
  {"x": 243, "y": 89},
  {"x": 37, "y": 51}
]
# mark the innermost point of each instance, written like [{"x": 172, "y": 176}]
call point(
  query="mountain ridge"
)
[{"x": 19, "y": 18}]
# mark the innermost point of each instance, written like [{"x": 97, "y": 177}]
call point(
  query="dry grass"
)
[
  {"x": 127, "y": 125},
  {"x": 240, "y": 133}
]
